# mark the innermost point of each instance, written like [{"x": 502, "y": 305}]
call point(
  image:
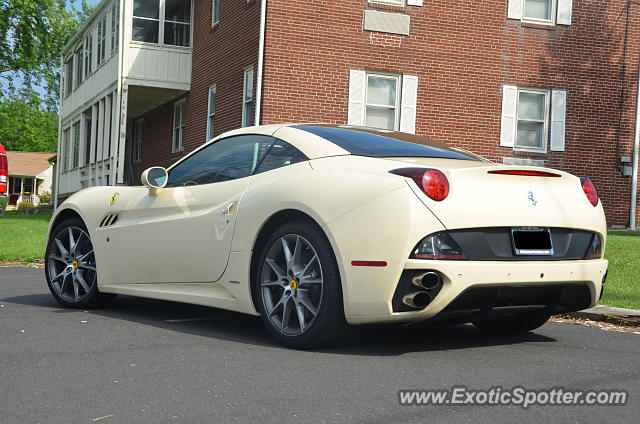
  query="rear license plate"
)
[{"x": 532, "y": 241}]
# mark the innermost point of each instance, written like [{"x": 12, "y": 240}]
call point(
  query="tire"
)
[
  {"x": 70, "y": 267},
  {"x": 515, "y": 324},
  {"x": 300, "y": 299}
]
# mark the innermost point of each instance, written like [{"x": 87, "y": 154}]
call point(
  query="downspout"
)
[
  {"x": 634, "y": 176},
  {"x": 263, "y": 24}
]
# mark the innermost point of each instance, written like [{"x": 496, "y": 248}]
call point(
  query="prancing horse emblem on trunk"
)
[{"x": 532, "y": 199}]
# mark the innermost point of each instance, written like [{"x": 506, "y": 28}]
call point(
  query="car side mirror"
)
[{"x": 154, "y": 178}]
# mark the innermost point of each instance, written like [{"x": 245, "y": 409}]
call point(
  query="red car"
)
[{"x": 4, "y": 179}]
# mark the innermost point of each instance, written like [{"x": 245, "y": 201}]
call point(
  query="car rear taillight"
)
[
  {"x": 437, "y": 246},
  {"x": 431, "y": 181},
  {"x": 589, "y": 190},
  {"x": 4, "y": 172}
]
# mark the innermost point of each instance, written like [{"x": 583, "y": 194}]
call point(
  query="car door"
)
[{"x": 183, "y": 233}]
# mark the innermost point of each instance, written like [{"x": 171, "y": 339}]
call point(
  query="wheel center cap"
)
[
  {"x": 293, "y": 284},
  {"x": 75, "y": 264}
]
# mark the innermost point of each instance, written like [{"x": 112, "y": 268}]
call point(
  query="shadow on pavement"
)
[{"x": 371, "y": 340}]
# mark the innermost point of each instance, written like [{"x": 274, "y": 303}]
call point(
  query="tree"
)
[
  {"x": 32, "y": 35},
  {"x": 26, "y": 125}
]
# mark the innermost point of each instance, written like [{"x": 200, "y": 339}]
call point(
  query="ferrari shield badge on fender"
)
[{"x": 113, "y": 199}]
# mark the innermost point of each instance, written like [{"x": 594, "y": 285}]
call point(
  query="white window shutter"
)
[
  {"x": 515, "y": 9},
  {"x": 414, "y": 2},
  {"x": 565, "y": 8},
  {"x": 357, "y": 84},
  {"x": 558, "y": 119},
  {"x": 408, "y": 104},
  {"x": 509, "y": 104}
]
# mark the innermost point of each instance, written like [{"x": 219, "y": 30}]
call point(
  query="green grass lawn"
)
[
  {"x": 22, "y": 237},
  {"x": 623, "y": 282}
]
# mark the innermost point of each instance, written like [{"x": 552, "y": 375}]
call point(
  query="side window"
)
[
  {"x": 281, "y": 154},
  {"x": 224, "y": 160}
]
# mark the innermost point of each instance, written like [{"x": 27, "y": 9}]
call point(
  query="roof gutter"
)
[{"x": 263, "y": 25}]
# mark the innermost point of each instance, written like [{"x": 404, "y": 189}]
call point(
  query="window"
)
[
  {"x": 526, "y": 119},
  {"x": 224, "y": 160},
  {"x": 102, "y": 40},
  {"x": 171, "y": 25},
  {"x": 532, "y": 120},
  {"x": 247, "y": 98},
  {"x": 177, "y": 22},
  {"x": 179, "y": 115},
  {"x": 78, "y": 60},
  {"x": 137, "y": 140},
  {"x": 68, "y": 72},
  {"x": 382, "y": 102},
  {"x": 211, "y": 113},
  {"x": 146, "y": 20},
  {"x": 76, "y": 144},
  {"x": 115, "y": 25},
  {"x": 27, "y": 188},
  {"x": 66, "y": 139},
  {"x": 541, "y": 11},
  {"x": 215, "y": 12},
  {"x": 280, "y": 154},
  {"x": 88, "y": 53},
  {"x": 16, "y": 186},
  {"x": 87, "y": 141}
]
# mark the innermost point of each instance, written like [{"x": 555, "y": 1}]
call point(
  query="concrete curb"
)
[{"x": 610, "y": 314}]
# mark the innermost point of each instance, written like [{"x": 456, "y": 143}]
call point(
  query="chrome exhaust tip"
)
[
  {"x": 417, "y": 300},
  {"x": 428, "y": 281}
]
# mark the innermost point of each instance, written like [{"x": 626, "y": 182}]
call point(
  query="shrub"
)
[
  {"x": 25, "y": 205},
  {"x": 45, "y": 197}
]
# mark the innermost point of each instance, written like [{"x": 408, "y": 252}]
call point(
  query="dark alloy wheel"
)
[{"x": 298, "y": 287}]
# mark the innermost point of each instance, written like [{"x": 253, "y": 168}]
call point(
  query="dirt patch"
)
[{"x": 602, "y": 325}]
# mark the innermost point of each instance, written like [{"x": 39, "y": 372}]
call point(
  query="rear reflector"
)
[
  {"x": 368, "y": 263},
  {"x": 525, "y": 173}
]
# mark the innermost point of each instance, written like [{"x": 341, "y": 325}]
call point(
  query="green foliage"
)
[
  {"x": 26, "y": 125},
  {"x": 25, "y": 205},
  {"x": 32, "y": 35},
  {"x": 622, "y": 288},
  {"x": 45, "y": 197}
]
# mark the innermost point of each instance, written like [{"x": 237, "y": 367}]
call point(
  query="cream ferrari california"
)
[{"x": 315, "y": 227}]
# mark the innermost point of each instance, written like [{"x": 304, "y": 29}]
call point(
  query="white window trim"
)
[
  {"x": 176, "y": 105},
  {"x": 215, "y": 21},
  {"x": 101, "y": 45},
  {"x": 244, "y": 95},
  {"x": 161, "y": 19},
  {"x": 547, "y": 94},
  {"x": 88, "y": 54},
  {"x": 552, "y": 21},
  {"x": 400, "y": 3},
  {"x": 397, "y": 105},
  {"x": 74, "y": 156},
  {"x": 211, "y": 128},
  {"x": 516, "y": 10}
]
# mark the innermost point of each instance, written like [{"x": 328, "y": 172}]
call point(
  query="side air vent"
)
[{"x": 109, "y": 220}]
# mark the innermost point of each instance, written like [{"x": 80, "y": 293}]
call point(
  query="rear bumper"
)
[{"x": 461, "y": 276}]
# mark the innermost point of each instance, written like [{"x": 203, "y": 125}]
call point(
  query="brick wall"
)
[{"x": 463, "y": 52}]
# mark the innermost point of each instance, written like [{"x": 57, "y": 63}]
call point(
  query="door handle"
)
[{"x": 230, "y": 209}]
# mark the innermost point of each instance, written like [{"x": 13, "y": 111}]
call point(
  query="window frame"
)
[
  {"x": 101, "y": 47},
  {"x": 551, "y": 22},
  {"x": 137, "y": 140},
  {"x": 115, "y": 25},
  {"x": 161, "y": 24},
  {"x": 180, "y": 104},
  {"x": 397, "y": 3},
  {"x": 13, "y": 191},
  {"x": 68, "y": 75},
  {"x": 398, "y": 104},
  {"x": 66, "y": 141},
  {"x": 88, "y": 54},
  {"x": 75, "y": 144},
  {"x": 547, "y": 120},
  {"x": 247, "y": 109},
  {"x": 210, "y": 115}
]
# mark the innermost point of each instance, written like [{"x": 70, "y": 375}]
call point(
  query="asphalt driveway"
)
[{"x": 147, "y": 361}]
